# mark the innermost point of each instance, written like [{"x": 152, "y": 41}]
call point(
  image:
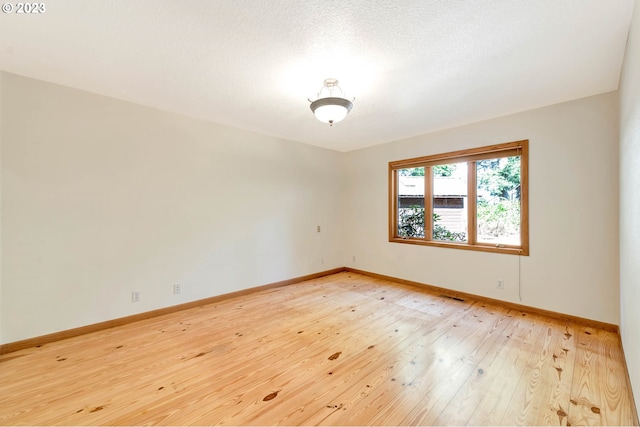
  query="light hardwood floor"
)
[{"x": 344, "y": 349}]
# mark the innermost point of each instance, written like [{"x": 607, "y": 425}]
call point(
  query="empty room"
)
[{"x": 249, "y": 212}]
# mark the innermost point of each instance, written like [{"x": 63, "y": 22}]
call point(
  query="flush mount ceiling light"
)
[{"x": 331, "y": 105}]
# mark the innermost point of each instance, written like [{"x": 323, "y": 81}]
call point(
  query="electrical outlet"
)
[
  {"x": 354, "y": 258},
  {"x": 177, "y": 288},
  {"x": 135, "y": 296},
  {"x": 318, "y": 229},
  {"x": 500, "y": 284},
  {"x": 322, "y": 261}
]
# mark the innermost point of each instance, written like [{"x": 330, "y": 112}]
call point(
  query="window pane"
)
[
  {"x": 410, "y": 202},
  {"x": 450, "y": 202},
  {"x": 499, "y": 200}
]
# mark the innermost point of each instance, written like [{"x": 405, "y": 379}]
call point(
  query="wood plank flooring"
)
[{"x": 344, "y": 349}]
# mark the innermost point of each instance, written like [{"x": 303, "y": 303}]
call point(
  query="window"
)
[{"x": 473, "y": 199}]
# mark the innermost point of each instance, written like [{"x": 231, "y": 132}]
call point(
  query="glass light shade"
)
[{"x": 331, "y": 110}]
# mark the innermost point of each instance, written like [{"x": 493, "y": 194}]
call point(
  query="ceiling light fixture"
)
[{"x": 330, "y": 108}]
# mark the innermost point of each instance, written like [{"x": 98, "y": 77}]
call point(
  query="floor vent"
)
[{"x": 450, "y": 297}]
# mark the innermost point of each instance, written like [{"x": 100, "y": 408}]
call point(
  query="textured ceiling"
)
[{"x": 413, "y": 66}]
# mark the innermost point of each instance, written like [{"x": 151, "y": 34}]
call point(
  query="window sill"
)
[{"x": 509, "y": 250}]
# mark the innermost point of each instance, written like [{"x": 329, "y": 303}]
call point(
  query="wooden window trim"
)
[
  {"x": 472, "y": 194},
  {"x": 428, "y": 204},
  {"x": 509, "y": 149}
]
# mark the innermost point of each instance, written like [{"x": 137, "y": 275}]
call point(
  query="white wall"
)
[
  {"x": 1, "y": 134},
  {"x": 630, "y": 203},
  {"x": 573, "y": 171},
  {"x": 101, "y": 197}
]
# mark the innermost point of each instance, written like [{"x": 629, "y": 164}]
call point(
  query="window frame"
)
[{"x": 470, "y": 156}]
